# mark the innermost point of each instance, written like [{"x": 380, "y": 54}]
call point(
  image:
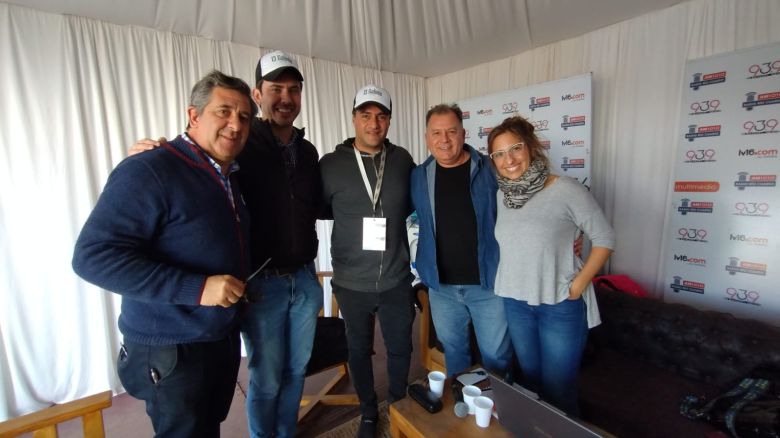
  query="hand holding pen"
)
[
  {"x": 222, "y": 290},
  {"x": 226, "y": 290}
]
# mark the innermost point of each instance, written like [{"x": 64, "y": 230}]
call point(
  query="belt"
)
[{"x": 279, "y": 272}]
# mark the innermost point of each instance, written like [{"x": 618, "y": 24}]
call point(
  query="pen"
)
[
  {"x": 248, "y": 279},
  {"x": 245, "y": 298}
]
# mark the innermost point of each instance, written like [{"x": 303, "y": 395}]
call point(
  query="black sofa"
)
[{"x": 648, "y": 354}]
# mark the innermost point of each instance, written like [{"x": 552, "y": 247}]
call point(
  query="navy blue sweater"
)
[{"x": 162, "y": 225}]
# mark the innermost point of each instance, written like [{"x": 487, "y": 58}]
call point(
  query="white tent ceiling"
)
[{"x": 418, "y": 37}]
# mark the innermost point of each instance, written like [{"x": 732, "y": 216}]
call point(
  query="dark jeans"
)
[
  {"x": 194, "y": 384},
  {"x": 395, "y": 310}
]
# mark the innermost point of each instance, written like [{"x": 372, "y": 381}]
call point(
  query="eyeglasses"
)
[{"x": 513, "y": 150}]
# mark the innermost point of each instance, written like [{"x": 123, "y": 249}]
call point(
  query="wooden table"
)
[{"x": 409, "y": 419}]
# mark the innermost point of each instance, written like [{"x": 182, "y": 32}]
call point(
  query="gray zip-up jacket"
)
[{"x": 347, "y": 203}]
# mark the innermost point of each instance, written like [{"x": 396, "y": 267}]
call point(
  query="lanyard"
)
[{"x": 379, "y": 175}]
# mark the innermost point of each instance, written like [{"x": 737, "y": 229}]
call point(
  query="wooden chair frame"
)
[
  {"x": 432, "y": 358},
  {"x": 308, "y": 401},
  {"x": 43, "y": 424}
]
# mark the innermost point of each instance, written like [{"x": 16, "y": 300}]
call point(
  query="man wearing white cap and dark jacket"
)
[
  {"x": 366, "y": 192},
  {"x": 281, "y": 184},
  {"x": 281, "y": 170}
]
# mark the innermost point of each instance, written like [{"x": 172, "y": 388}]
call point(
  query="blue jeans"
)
[
  {"x": 549, "y": 340},
  {"x": 452, "y": 307},
  {"x": 278, "y": 331}
]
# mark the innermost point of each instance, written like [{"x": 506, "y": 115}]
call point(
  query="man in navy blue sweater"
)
[
  {"x": 177, "y": 252},
  {"x": 280, "y": 180}
]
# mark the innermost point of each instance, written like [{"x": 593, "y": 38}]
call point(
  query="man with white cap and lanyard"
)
[
  {"x": 281, "y": 184},
  {"x": 366, "y": 192}
]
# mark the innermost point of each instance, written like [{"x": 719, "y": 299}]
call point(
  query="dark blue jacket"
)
[
  {"x": 162, "y": 225},
  {"x": 483, "y": 196}
]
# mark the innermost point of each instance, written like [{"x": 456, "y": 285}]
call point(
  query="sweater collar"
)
[{"x": 232, "y": 167}]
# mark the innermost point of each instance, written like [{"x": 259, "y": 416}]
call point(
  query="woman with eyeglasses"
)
[{"x": 548, "y": 296}]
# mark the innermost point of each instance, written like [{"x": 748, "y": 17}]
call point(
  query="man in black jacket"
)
[
  {"x": 280, "y": 169},
  {"x": 366, "y": 189},
  {"x": 281, "y": 184}
]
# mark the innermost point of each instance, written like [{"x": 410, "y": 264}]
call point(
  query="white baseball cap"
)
[
  {"x": 272, "y": 64},
  {"x": 375, "y": 95}
]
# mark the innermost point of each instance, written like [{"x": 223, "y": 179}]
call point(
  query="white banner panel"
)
[
  {"x": 722, "y": 237},
  {"x": 560, "y": 111}
]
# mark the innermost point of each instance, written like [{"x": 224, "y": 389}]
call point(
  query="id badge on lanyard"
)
[
  {"x": 374, "y": 228},
  {"x": 374, "y": 233}
]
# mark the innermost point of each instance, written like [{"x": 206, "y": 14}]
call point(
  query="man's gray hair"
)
[
  {"x": 201, "y": 92},
  {"x": 444, "y": 108}
]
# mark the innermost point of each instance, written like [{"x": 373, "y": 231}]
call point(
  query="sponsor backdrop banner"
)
[
  {"x": 560, "y": 111},
  {"x": 722, "y": 249}
]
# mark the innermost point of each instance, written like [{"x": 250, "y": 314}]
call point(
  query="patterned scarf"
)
[{"x": 518, "y": 191}]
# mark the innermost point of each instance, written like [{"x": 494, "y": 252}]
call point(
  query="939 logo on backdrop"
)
[
  {"x": 751, "y": 209},
  {"x": 700, "y": 156},
  {"x": 764, "y": 69},
  {"x": 758, "y": 127},
  {"x": 705, "y": 107},
  {"x": 692, "y": 234},
  {"x": 541, "y": 125},
  {"x": 744, "y": 296}
]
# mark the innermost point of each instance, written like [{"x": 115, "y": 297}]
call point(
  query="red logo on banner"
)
[
  {"x": 713, "y": 128},
  {"x": 711, "y": 76},
  {"x": 695, "y": 284},
  {"x": 696, "y": 186}
]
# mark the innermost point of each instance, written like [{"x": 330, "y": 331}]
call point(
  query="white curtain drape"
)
[
  {"x": 638, "y": 68},
  {"x": 76, "y": 94}
]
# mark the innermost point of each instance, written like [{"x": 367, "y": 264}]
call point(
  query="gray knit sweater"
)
[{"x": 537, "y": 262}]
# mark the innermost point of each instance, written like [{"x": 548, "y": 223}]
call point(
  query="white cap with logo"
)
[
  {"x": 273, "y": 64},
  {"x": 375, "y": 95}
]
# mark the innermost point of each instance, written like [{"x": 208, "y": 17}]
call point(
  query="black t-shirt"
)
[{"x": 456, "y": 226}]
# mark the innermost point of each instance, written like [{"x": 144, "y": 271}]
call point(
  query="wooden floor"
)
[{"x": 127, "y": 417}]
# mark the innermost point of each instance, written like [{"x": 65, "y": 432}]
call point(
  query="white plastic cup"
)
[
  {"x": 436, "y": 382},
  {"x": 484, "y": 410},
  {"x": 471, "y": 392}
]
